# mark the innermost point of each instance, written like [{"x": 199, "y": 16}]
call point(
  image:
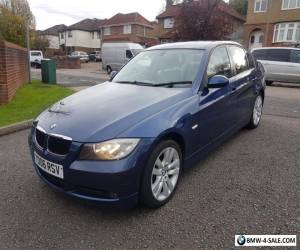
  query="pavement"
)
[
  {"x": 90, "y": 74},
  {"x": 250, "y": 185}
]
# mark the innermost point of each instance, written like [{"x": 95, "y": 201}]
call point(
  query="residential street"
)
[
  {"x": 89, "y": 75},
  {"x": 250, "y": 185}
]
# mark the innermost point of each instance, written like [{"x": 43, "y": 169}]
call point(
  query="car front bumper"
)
[{"x": 108, "y": 183}]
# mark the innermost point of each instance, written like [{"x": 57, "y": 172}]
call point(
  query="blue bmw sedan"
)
[{"x": 129, "y": 139}]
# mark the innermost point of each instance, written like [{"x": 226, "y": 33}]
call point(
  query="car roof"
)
[
  {"x": 205, "y": 45},
  {"x": 267, "y": 48}
]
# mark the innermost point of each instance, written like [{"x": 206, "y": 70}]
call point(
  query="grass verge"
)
[{"x": 30, "y": 100}]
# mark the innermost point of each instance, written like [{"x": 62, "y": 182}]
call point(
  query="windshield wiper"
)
[
  {"x": 137, "y": 83},
  {"x": 172, "y": 84}
]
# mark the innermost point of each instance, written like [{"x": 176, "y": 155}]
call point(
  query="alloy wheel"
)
[
  {"x": 165, "y": 173},
  {"x": 257, "y": 111}
]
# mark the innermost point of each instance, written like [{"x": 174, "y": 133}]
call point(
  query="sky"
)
[{"x": 51, "y": 12}]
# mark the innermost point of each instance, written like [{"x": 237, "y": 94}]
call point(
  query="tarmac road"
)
[{"x": 250, "y": 185}]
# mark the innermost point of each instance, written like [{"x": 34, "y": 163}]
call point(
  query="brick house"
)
[
  {"x": 52, "y": 35},
  {"x": 171, "y": 16},
  {"x": 82, "y": 36},
  {"x": 272, "y": 23},
  {"x": 131, "y": 27}
]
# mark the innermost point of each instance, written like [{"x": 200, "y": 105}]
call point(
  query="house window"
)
[
  {"x": 70, "y": 33},
  {"x": 62, "y": 35},
  {"x": 106, "y": 31},
  {"x": 127, "y": 29},
  {"x": 290, "y": 4},
  {"x": 169, "y": 23},
  {"x": 287, "y": 32},
  {"x": 260, "y": 5}
]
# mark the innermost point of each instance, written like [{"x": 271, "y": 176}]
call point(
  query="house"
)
[
  {"x": 272, "y": 23},
  {"x": 131, "y": 27},
  {"x": 82, "y": 36},
  {"x": 52, "y": 35},
  {"x": 168, "y": 20},
  {"x": 166, "y": 23}
]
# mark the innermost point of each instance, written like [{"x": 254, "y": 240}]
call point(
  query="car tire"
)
[
  {"x": 256, "y": 112},
  {"x": 161, "y": 175},
  {"x": 108, "y": 69},
  {"x": 269, "y": 83}
]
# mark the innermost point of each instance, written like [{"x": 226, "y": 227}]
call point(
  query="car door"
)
[
  {"x": 241, "y": 83},
  {"x": 294, "y": 66},
  {"x": 213, "y": 110},
  {"x": 277, "y": 65}
]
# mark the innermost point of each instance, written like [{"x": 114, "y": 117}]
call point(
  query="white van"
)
[
  {"x": 36, "y": 56},
  {"x": 116, "y": 55}
]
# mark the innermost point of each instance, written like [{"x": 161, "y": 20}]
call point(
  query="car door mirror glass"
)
[{"x": 217, "y": 81}]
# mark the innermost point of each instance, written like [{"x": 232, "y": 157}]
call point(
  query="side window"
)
[
  {"x": 219, "y": 63},
  {"x": 260, "y": 54},
  {"x": 295, "y": 56},
  {"x": 239, "y": 59},
  {"x": 278, "y": 55},
  {"x": 129, "y": 54}
]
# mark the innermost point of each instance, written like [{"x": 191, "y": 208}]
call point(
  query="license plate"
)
[{"x": 49, "y": 167}]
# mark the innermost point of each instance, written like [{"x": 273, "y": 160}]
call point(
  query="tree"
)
[
  {"x": 38, "y": 42},
  {"x": 172, "y": 2},
  {"x": 240, "y": 6},
  {"x": 12, "y": 27},
  {"x": 14, "y": 17},
  {"x": 202, "y": 20},
  {"x": 19, "y": 8}
]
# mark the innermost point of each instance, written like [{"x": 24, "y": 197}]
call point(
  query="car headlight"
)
[{"x": 109, "y": 150}]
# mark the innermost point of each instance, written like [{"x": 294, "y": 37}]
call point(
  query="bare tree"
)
[
  {"x": 172, "y": 2},
  {"x": 203, "y": 20}
]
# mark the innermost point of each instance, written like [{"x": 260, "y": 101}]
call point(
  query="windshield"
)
[{"x": 156, "y": 67}]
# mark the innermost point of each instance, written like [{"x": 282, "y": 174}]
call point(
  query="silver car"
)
[
  {"x": 83, "y": 56},
  {"x": 280, "y": 64}
]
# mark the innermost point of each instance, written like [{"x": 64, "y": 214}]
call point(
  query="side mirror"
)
[
  {"x": 217, "y": 81},
  {"x": 112, "y": 75}
]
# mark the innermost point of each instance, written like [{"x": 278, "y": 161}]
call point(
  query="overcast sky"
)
[{"x": 52, "y": 12}]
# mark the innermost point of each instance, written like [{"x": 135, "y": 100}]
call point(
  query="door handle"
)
[{"x": 233, "y": 89}]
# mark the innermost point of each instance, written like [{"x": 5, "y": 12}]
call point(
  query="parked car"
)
[
  {"x": 36, "y": 57},
  {"x": 129, "y": 139},
  {"x": 281, "y": 64},
  {"x": 95, "y": 56},
  {"x": 83, "y": 56},
  {"x": 116, "y": 55}
]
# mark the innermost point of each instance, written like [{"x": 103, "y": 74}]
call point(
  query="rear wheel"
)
[
  {"x": 161, "y": 174},
  {"x": 269, "y": 83},
  {"x": 256, "y": 113}
]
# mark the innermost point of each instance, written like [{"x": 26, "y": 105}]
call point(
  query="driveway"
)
[
  {"x": 250, "y": 185},
  {"x": 90, "y": 74}
]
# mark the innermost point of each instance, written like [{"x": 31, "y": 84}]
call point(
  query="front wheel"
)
[
  {"x": 161, "y": 174},
  {"x": 256, "y": 113}
]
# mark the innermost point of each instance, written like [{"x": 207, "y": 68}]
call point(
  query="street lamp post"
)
[{"x": 28, "y": 49}]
